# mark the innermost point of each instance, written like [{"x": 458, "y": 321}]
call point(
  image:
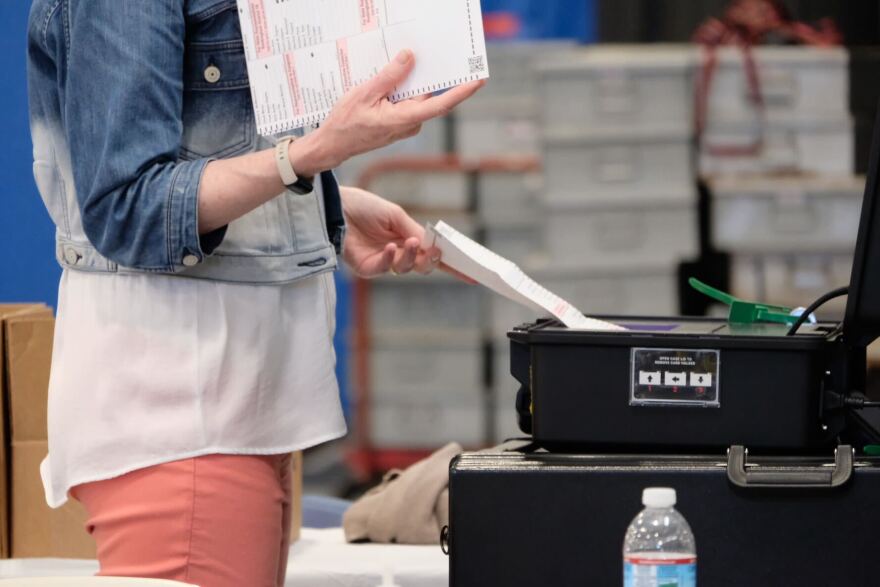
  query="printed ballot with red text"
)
[{"x": 303, "y": 55}]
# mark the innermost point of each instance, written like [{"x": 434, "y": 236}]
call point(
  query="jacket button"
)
[
  {"x": 71, "y": 256},
  {"x": 190, "y": 261},
  {"x": 212, "y": 74}
]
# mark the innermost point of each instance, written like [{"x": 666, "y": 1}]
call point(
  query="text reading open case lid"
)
[{"x": 862, "y": 321}]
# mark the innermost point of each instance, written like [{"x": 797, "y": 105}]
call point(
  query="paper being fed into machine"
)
[
  {"x": 303, "y": 55},
  {"x": 504, "y": 277}
]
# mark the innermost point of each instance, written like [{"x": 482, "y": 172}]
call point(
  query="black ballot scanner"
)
[{"x": 664, "y": 383}]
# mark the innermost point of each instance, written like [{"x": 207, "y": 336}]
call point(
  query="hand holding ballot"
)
[
  {"x": 504, "y": 277},
  {"x": 304, "y": 55},
  {"x": 364, "y": 119}
]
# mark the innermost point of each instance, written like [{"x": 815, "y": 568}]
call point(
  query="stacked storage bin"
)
[
  {"x": 792, "y": 238},
  {"x": 801, "y": 125},
  {"x": 619, "y": 189},
  {"x": 502, "y": 120},
  {"x": 425, "y": 354},
  {"x": 788, "y": 208}
]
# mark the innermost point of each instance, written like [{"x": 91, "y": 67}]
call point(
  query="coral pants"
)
[{"x": 212, "y": 521}]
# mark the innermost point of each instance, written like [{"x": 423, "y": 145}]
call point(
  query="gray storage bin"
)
[
  {"x": 652, "y": 163},
  {"x": 497, "y": 132},
  {"x": 425, "y": 190},
  {"x": 630, "y": 233},
  {"x": 502, "y": 119},
  {"x": 417, "y": 419},
  {"x": 513, "y": 77},
  {"x": 617, "y": 87},
  {"x": 424, "y": 364},
  {"x": 795, "y": 214},
  {"x": 506, "y": 198},
  {"x": 419, "y": 306},
  {"x": 803, "y": 82},
  {"x": 517, "y": 241},
  {"x": 793, "y": 280},
  {"x": 818, "y": 146}
]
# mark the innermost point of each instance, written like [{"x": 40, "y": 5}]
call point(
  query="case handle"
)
[{"x": 781, "y": 477}]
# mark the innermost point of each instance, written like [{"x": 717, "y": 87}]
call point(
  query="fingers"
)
[
  {"x": 379, "y": 264},
  {"x": 427, "y": 261},
  {"x": 437, "y": 106},
  {"x": 405, "y": 260},
  {"x": 391, "y": 76},
  {"x": 411, "y": 258}
]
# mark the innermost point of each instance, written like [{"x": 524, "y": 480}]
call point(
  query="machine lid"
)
[{"x": 861, "y": 324}]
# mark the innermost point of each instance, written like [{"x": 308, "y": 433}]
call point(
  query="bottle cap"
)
[
  {"x": 388, "y": 579},
  {"x": 658, "y": 497}
]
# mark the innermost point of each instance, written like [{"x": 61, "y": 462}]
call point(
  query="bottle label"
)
[{"x": 660, "y": 572}]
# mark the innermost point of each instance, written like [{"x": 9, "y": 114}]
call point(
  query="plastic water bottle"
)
[{"x": 659, "y": 549}]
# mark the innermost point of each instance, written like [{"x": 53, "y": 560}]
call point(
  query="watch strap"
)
[{"x": 289, "y": 177}]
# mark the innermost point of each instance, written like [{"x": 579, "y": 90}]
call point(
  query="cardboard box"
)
[
  {"x": 37, "y": 530},
  {"x": 30, "y": 528},
  {"x": 7, "y": 310}
]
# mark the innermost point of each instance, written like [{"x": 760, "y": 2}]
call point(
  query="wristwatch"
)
[{"x": 296, "y": 184}]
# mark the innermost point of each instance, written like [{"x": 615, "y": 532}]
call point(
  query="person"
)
[{"x": 193, "y": 346}]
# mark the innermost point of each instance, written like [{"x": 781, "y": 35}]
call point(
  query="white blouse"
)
[{"x": 149, "y": 369}]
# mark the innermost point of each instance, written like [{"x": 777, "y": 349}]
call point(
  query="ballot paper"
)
[
  {"x": 504, "y": 277},
  {"x": 303, "y": 55}
]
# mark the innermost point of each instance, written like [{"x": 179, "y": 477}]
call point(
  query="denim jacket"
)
[{"x": 129, "y": 101}]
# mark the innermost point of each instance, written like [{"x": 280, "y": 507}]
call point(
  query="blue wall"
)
[
  {"x": 549, "y": 19},
  {"x": 28, "y": 271}
]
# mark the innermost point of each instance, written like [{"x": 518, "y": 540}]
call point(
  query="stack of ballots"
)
[{"x": 785, "y": 202}]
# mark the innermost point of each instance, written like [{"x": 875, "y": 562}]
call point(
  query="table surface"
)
[{"x": 320, "y": 558}]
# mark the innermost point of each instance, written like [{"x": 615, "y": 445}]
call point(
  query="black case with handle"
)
[{"x": 521, "y": 519}]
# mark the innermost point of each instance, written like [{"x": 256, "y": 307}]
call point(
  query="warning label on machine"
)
[{"x": 675, "y": 377}]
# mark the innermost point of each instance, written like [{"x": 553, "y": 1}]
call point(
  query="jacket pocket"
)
[
  {"x": 307, "y": 219},
  {"x": 218, "y": 119}
]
